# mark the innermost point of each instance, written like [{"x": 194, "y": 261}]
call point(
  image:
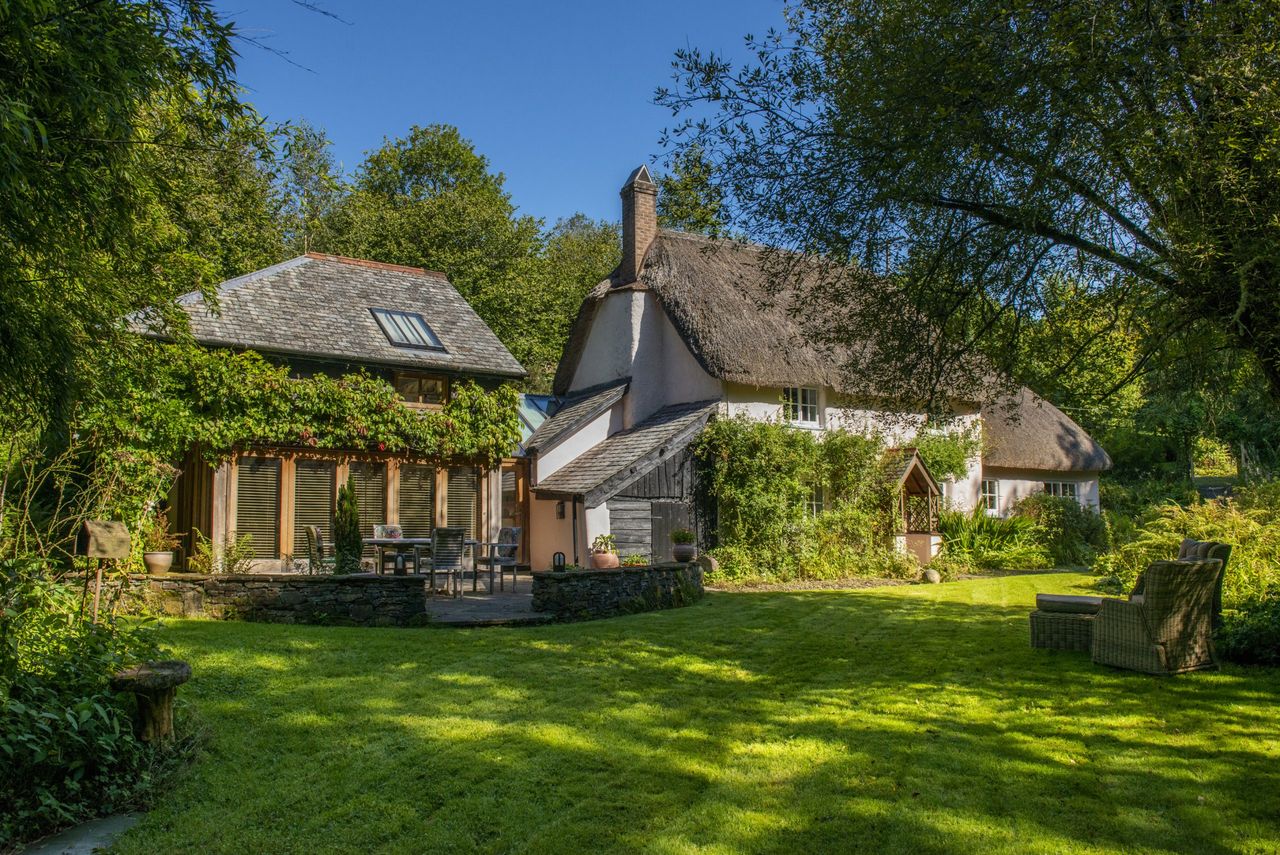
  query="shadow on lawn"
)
[{"x": 790, "y": 722}]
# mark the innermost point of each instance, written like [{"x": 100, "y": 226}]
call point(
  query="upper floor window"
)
[
  {"x": 1062, "y": 489},
  {"x": 989, "y": 499},
  {"x": 422, "y": 389},
  {"x": 407, "y": 329},
  {"x": 800, "y": 405}
]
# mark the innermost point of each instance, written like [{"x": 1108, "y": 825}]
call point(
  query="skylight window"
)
[{"x": 407, "y": 329}]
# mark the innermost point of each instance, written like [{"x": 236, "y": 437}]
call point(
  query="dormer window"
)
[
  {"x": 800, "y": 405},
  {"x": 407, "y": 329}
]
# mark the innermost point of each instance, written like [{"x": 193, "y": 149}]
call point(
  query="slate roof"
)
[
  {"x": 318, "y": 306},
  {"x": 603, "y": 470},
  {"x": 574, "y": 412},
  {"x": 1027, "y": 432}
]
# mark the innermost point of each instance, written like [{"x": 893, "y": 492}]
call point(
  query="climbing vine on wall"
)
[
  {"x": 155, "y": 400},
  {"x": 791, "y": 503}
]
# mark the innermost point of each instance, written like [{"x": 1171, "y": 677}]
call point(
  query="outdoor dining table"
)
[{"x": 418, "y": 545}]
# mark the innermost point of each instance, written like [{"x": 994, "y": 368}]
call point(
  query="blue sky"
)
[{"x": 558, "y": 95}]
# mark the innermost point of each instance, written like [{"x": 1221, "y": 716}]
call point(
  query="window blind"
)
[
  {"x": 464, "y": 500},
  {"x": 371, "y": 495},
  {"x": 312, "y": 501},
  {"x": 258, "y": 504},
  {"x": 417, "y": 500}
]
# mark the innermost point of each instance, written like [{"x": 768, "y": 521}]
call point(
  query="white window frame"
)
[
  {"x": 816, "y": 503},
  {"x": 989, "y": 496},
  {"x": 801, "y": 402},
  {"x": 1063, "y": 489}
]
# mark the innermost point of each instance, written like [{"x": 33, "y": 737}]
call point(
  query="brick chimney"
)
[{"x": 639, "y": 222}]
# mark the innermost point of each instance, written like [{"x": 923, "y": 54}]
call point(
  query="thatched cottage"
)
[{"x": 684, "y": 331}]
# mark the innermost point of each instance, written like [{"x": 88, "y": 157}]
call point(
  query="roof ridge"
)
[{"x": 376, "y": 265}]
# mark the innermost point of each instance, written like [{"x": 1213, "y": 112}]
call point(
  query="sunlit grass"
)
[{"x": 909, "y": 719}]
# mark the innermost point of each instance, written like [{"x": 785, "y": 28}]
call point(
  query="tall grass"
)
[{"x": 993, "y": 543}]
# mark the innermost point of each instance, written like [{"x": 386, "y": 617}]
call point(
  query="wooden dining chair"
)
[{"x": 447, "y": 546}]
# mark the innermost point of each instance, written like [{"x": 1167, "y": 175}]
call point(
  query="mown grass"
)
[{"x": 912, "y": 719}]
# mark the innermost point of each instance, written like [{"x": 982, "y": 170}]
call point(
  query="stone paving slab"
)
[
  {"x": 86, "y": 838},
  {"x": 480, "y": 608}
]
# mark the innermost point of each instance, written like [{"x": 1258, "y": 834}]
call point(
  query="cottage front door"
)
[{"x": 668, "y": 517}]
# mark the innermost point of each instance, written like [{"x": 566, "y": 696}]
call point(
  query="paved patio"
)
[{"x": 480, "y": 608}]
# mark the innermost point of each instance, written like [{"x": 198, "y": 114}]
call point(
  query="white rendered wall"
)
[
  {"x": 571, "y": 447},
  {"x": 633, "y": 337},
  {"x": 1017, "y": 484}
]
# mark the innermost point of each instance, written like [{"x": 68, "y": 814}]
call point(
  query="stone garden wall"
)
[
  {"x": 356, "y": 600},
  {"x": 590, "y": 594}
]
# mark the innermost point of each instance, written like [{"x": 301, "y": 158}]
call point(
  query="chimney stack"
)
[{"x": 639, "y": 222}]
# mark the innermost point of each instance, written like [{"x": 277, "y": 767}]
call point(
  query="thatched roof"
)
[
  {"x": 735, "y": 320},
  {"x": 1027, "y": 432}
]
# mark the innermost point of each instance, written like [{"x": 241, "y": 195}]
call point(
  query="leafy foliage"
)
[
  {"x": 235, "y": 556},
  {"x": 988, "y": 542},
  {"x": 974, "y": 151},
  {"x": 1072, "y": 534},
  {"x": 347, "y": 545},
  {"x": 67, "y": 741},
  {"x": 1250, "y": 522},
  {"x": 758, "y": 479},
  {"x": 947, "y": 452},
  {"x": 688, "y": 198}
]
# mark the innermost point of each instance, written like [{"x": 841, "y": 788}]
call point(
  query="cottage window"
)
[
  {"x": 313, "y": 493},
  {"x": 417, "y": 500},
  {"x": 407, "y": 329},
  {"x": 990, "y": 497},
  {"x": 800, "y": 405},
  {"x": 817, "y": 501},
  {"x": 428, "y": 390},
  {"x": 1061, "y": 489}
]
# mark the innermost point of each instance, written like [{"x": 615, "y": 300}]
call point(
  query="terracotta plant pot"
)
[
  {"x": 684, "y": 552},
  {"x": 158, "y": 562},
  {"x": 604, "y": 560}
]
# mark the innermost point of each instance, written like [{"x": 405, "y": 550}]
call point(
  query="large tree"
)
[
  {"x": 975, "y": 150},
  {"x": 84, "y": 92}
]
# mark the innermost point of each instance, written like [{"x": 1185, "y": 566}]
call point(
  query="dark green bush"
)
[
  {"x": 347, "y": 545},
  {"x": 1251, "y": 634},
  {"x": 66, "y": 742},
  {"x": 1072, "y": 534}
]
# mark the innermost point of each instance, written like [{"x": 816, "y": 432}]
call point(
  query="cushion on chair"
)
[{"x": 1069, "y": 604}]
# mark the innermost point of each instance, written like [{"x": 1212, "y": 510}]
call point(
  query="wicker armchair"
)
[{"x": 1170, "y": 629}]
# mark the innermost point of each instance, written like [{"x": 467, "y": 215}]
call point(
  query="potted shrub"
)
[
  {"x": 683, "y": 548},
  {"x": 604, "y": 552},
  {"x": 158, "y": 544}
]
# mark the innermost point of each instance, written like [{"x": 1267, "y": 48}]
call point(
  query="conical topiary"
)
[{"x": 346, "y": 530}]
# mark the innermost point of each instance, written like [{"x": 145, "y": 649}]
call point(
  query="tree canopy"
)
[{"x": 973, "y": 152}]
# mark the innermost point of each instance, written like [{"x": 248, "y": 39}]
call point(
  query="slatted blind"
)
[
  {"x": 312, "y": 501},
  {"x": 463, "y": 500},
  {"x": 417, "y": 500},
  {"x": 371, "y": 495},
  {"x": 258, "y": 504}
]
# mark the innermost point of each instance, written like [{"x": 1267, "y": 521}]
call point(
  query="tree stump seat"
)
[{"x": 154, "y": 685}]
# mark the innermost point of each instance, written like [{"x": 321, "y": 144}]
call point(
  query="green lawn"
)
[{"x": 910, "y": 719}]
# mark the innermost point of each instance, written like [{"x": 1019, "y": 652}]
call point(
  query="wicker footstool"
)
[{"x": 1061, "y": 630}]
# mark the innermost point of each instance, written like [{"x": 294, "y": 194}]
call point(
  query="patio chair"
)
[
  {"x": 390, "y": 556},
  {"x": 502, "y": 556},
  {"x": 447, "y": 546},
  {"x": 316, "y": 549},
  {"x": 1170, "y": 629}
]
